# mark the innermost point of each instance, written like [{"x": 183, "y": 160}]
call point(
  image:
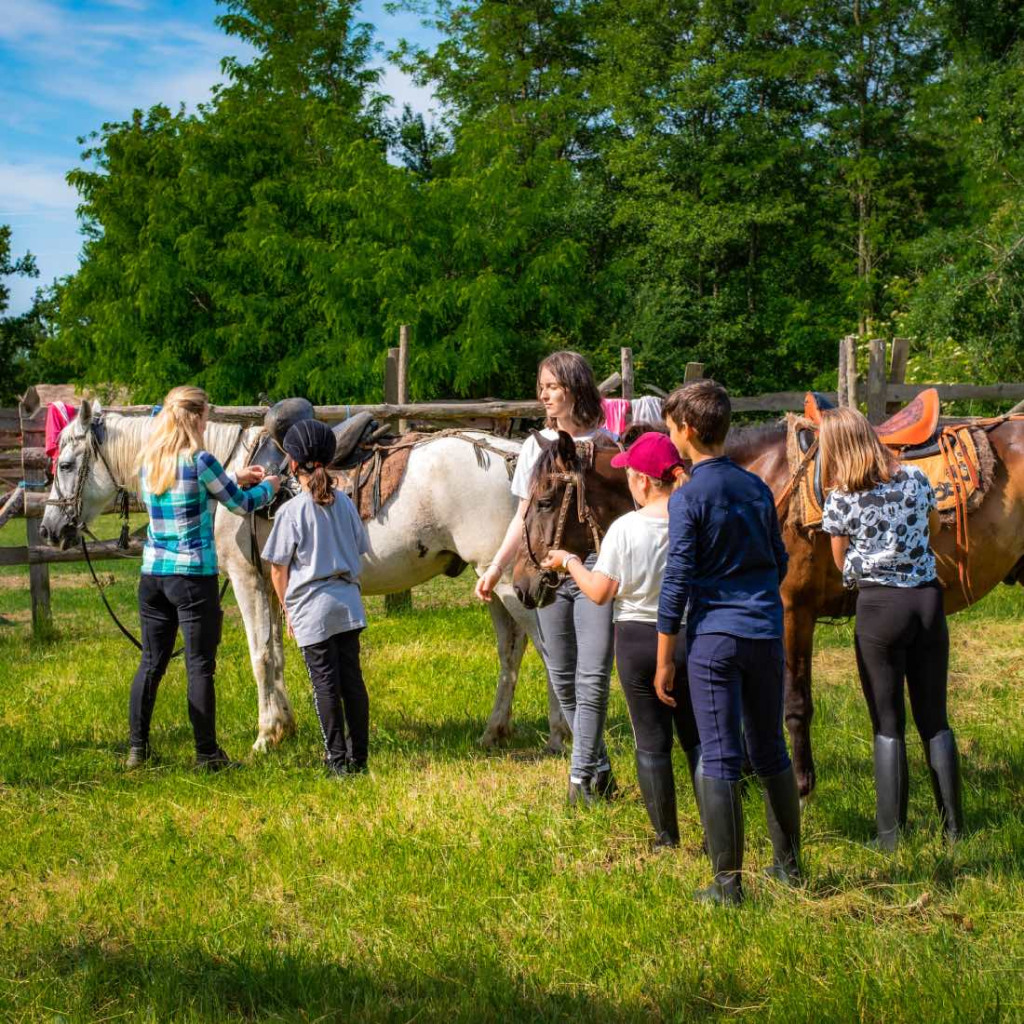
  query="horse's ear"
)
[
  {"x": 85, "y": 414},
  {"x": 566, "y": 448},
  {"x": 541, "y": 440}
]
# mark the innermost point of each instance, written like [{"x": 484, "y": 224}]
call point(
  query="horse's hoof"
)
[
  {"x": 495, "y": 736},
  {"x": 806, "y": 783},
  {"x": 555, "y": 746}
]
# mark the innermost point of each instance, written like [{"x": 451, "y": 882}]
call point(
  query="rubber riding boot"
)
[
  {"x": 891, "y": 790},
  {"x": 216, "y": 762},
  {"x": 944, "y": 767},
  {"x": 722, "y": 811},
  {"x": 782, "y": 808},
  {"x": 581, "y": 794},
  {"x": 658, "y": 788},
  {"x": 605, "y": 785},
  {"x": 138, "y": 757},
  {"x": 353, "y": 767}
]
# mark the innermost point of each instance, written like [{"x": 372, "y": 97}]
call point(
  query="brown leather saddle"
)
[{"x": 956, "y": 458}]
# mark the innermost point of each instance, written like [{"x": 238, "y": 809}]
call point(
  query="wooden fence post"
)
[
  {"x": 32, "y": 416},
  {"x": 843, "y": 384},
  {"x": 898, "y": 367},
  {"x": 876, "y": 380},
  {"x": 627, "y": 373},
  {"x": 395, "y": 394},
  {"x": 694, "y": 371},
  {"x": 403, "y": 373},
  {"x": 849, "y": 344}
]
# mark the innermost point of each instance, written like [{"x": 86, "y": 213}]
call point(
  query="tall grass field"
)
[{"x": 452, "y": 883}]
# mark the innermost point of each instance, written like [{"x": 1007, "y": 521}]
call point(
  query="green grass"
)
[{"x": 452, "y": 884}]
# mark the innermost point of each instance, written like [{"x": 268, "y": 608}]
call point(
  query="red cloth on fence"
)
[
  {"x": 617, "y": 412},
  {"x": 58, "y": 416}
]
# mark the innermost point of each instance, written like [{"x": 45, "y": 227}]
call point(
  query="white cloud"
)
[
  {"x": 27, "y": 188},
  {"x": 402, "y": 89}
]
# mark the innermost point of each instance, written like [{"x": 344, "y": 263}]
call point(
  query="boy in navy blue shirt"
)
[{"x": 725, "y": 563}]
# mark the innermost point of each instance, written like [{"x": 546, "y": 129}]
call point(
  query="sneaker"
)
[
  {"x": 216, "y": 762},
  {"x": 138, "y": 757}
]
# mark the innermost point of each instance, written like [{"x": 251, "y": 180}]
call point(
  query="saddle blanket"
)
[{"x": 962, "y": 473}]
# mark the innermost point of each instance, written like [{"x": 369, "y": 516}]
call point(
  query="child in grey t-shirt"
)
[{"x": 314, "y": 549}]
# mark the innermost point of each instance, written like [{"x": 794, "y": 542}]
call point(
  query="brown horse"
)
[{"x": 813, "y": 586}]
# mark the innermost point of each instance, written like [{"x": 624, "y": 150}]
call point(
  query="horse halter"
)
[
  {"x": 71, "y": 504},
  {"x": 575, "y": 483}
]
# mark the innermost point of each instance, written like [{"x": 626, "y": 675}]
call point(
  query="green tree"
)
[{"x": 18, "y": 337}]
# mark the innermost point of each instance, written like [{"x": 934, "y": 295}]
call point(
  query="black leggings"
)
[
  {"x": 901, "y": 633},
  {"x": 636, "y": 657},
  {"x": 165, "y": 603},
  {"x": 339, "y": 695}
]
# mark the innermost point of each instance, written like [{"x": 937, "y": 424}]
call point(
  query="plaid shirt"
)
[{"x": 179, "y": 541}]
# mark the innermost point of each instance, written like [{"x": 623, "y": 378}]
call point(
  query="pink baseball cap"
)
[{"x": 651, "y": 453}]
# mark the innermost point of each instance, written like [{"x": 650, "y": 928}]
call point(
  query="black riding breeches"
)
[
  {"x": 901, "y": 633},
  {"x": 340, "y": 697},
  {"x": 636, "y": 657},
  {"x": 165, "y": 603}
]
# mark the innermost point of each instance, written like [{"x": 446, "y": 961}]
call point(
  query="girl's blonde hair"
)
[
  {"x": 852, "y": 457},
  {"x": 177, "y": 430}
]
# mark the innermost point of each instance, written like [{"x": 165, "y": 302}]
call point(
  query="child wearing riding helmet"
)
[
  {"x": 576, "y": 632},
  {"x": 180, "y": 483},
  {"x": 628, "y": 572},
  {"x": 880, "y": 516},
  {"x": 315, "y": 550}
]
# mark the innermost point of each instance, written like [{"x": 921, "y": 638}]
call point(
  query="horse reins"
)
[{"x": 575, "y": 484}]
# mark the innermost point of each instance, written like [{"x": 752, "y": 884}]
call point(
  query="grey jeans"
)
[{"x": 578, "y": 648}]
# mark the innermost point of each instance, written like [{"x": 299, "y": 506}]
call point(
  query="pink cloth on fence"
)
[
  {"x": 616, "y": 415},
  {"x": 58, "y": 416}
]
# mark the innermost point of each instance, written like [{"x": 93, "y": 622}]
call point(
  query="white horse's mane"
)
[{"x": 125, "y": 435}]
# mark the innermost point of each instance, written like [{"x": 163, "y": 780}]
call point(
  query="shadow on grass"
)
[{"x": 259, "y": 983}]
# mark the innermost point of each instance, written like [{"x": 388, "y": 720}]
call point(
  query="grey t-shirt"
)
[{"x": 321, "y": 545}]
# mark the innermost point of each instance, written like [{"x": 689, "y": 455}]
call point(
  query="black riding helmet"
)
[{"x": 310, "y": 443}]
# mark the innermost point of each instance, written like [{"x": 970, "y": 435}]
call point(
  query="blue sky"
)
[{"x": 67, "y": 66}]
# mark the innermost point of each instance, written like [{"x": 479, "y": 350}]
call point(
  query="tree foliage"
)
[{"x": 739, "y": 183}]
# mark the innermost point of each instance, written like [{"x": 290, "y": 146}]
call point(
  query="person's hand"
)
[
  {"x": 486, "y": 584},
  {"x": 288, "y": 625},
  {"x": 664, "y": 683},
  {"x": 249, "y": 476},
  {"x": 555, "y": 559},
  {"x": 275, "y": 483}
]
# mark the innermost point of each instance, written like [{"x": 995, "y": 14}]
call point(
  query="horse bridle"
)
[
  {"x": 575, "y": 483},
  {"x": 72, "y": 504}
]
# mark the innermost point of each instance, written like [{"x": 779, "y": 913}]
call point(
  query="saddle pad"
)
[
  {"x": 973, "y": 470},
  {"x": 372, "y": 484}
]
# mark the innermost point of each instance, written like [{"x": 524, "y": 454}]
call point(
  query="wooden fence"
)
[{"x": 23, "y": 461}]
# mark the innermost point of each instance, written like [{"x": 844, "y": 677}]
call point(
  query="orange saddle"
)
[{"x": 914, "y": 424}]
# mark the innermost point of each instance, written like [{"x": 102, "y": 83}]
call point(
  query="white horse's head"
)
[{"x": 83, "y": 484}]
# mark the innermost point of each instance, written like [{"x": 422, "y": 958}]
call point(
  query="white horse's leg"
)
[
  {"x": 511, "y": 639},
  {"x": 262, "y": 620},
  {"x": 559, "y": 732}
]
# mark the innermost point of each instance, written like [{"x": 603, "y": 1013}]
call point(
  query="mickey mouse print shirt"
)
[{"x": 888, "y": 530}]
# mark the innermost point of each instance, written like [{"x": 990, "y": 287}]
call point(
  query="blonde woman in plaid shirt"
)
[{"x": 180, "y": 483}]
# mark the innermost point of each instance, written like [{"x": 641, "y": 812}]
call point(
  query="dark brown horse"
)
[{"x": 813, "y": 587}]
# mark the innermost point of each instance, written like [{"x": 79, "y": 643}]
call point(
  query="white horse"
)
[{"x": 451, "y": 510}]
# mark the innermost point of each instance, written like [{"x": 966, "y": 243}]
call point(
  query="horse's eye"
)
[
  {"x": 545, "y": 502},
  {"x": 67, "y": 466}
]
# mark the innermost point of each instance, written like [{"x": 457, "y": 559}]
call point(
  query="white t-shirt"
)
[
  {"x": 633, "y": 553},
  {"x": 529, "y": 455}
]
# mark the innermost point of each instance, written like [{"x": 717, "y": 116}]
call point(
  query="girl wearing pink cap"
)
[{"x": 629, "y": 571}]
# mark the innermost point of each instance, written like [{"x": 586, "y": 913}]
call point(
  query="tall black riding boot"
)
[
  {"x": 722, "y": 813},
  {"x": 891, "y": 790},
  {"x": 782, "y": 807},
  {"x": 658, "y": 788},
  {"x": 693, "y": 760},
  {"x": 944, "y": 767}
]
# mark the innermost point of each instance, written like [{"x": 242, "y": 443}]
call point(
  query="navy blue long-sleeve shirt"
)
[{"x": 725, "y": 558}]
